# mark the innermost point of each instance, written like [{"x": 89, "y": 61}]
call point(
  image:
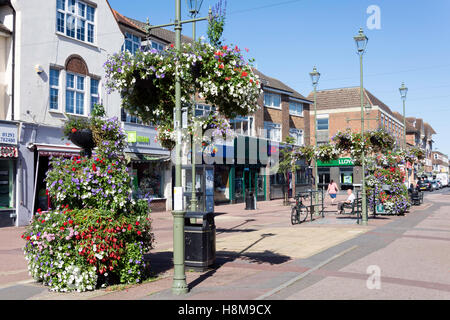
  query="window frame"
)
[
  {"x": 297, "y": 132},
  {"x": 268, "y": 126},
  {"x": 78, "y": 18},
  {"x": 54, "y": 87},
  {"x": 136, "y": 45},
  {"x": 76, "y": 90},
  {"x": 291, "y": 112},
  {"x": 94, "y": 95},
  {"x": 328, "y": 123},
  {"x": 271, "y": 94}
]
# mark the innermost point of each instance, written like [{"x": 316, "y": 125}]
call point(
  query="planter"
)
[{"x": 83, "y": 138}]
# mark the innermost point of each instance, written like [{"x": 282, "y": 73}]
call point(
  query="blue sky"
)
[{"x": 287, "y": 38}]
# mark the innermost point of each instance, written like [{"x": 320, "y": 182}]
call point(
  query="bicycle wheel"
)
[
  {"x": 303, "y": 213},
  {"x": 294, "y": 216}
]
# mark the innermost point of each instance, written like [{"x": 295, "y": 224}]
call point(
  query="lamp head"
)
[
  {"x": 361, "y": 41},
  {"x": 315, "y": 76},
  {"x": 403, "y": 91},
  {"x": 194, "y": 6}
]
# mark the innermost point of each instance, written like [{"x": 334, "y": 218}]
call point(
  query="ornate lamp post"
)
[
  {"x": 179, "y": 285},
  {"x": 194, "y": 9},
  {"x": 403, "y": 91},
  {"x": 361, "y": 43},
  {"x": 315, "y": 76}
]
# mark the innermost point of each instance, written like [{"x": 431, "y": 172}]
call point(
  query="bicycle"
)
[{"x": 299, "y": 211}]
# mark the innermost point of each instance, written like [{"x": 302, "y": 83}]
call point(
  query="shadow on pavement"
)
[{"x": 161, "y": 262}]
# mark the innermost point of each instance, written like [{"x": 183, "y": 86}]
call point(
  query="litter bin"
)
[
  {"x": 200, "y": 240},
  {"x": 250, "y": 201}
]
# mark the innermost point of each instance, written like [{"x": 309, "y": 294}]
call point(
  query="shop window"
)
[
  {"x": 242, "y": 125},
  {"x": 221, "y": 185},
  {"x": 6, "y": 184},
  {"x": 147, "y": 179},
  {"x": 346, "y": 176}
]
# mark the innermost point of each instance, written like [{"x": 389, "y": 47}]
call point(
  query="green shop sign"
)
[
  {"x": 341, "y": 162},
  {"x": 133, "y": 137}
]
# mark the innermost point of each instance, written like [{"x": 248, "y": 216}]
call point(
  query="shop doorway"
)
[{"x": 249, "y": 180}]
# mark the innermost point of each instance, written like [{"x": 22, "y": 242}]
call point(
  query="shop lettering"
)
[
  {"x": 8, "y": 137},
  {"x": 143, "y": 139},
  {"x": 345, "y": 162}
]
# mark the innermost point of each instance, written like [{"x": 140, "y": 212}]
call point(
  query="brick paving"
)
[{"x": 258, "y": 251}]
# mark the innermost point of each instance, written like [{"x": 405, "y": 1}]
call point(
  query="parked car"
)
[
  {"x": 434, "y": 185},
  {"x": 439, "y": 183},
  {"x": 424, "y": 185}
]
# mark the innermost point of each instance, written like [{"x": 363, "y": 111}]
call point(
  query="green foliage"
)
[
  {"x": 216, "y": 24},
  {"x": 95, "y": 228}
]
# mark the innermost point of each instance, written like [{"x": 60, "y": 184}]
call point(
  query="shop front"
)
[
  {"x": 240, "y": 170},
  {"x": 150, "y": 166},
  {"x": 342, "y": 171},
  {"x": 8, "y": 165}
]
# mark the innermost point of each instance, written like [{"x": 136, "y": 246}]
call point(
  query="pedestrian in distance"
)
[{"x": 332, "y": 191}]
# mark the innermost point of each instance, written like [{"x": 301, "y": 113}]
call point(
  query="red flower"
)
[
  {"x": 227, "y": 78},
  {"x": 39, "y": 210},
  {"x": 221, "y": 66},
  {"x": 244, "y": 74},
  {"x": 62, "y": 228},
  {"x": 171, "y": 45},
  {"x": 28, "y": 238},
  {"x": 70, "y": 221},
  {"x": 224, "y": 47},
  {"x": 137, "y": 223},
  {"x": 73, "y": 169},
  {"x": 74, "y": 130},
  {"x": 94, "y": 167},
  {"x": 139, "y": 233}
]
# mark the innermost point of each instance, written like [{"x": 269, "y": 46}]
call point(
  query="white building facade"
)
[{"x": 51, "y": 65}]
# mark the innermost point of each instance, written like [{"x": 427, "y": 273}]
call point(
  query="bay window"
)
[
  {"x": 273, "y": 131},
  {"x": 297, "y": 134}
]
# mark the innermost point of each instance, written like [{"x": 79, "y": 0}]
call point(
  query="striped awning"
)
[{"x": 8, "y": 152}]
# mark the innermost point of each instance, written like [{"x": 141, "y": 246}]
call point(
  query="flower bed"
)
[{"x": 96, "y": 234}]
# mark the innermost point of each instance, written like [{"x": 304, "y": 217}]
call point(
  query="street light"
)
[
  {"x": 403, "y": 91},
  {"x": 361, "y": 44},
  {"x": 315, "y": 76},
  {"x": 194, "y": 9},
  {"x": 179, "y": 285}
]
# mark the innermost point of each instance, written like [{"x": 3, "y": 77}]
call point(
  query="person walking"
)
[{"x": 332, "y": 191}]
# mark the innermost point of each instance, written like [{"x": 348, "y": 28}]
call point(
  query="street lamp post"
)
[
  {"x": 315, "y": 76},
  {"x": 403, "y": 91},
  {"x": 194, "y": 9},
  {"x": 179, "y": 285},
  {"x": 361, "y": 43}
]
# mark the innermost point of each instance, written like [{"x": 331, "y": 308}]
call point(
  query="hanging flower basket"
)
[{"x": 83, "y": 138}]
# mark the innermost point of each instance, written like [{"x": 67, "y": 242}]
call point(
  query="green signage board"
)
[
  {"x": 341, "y": 162},
  {"x": 133, "y": 137}
]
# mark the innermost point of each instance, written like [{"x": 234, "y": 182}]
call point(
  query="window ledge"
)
[
  {"x": 276, "y": 108},
  {"x": 93, "y": 45},
  {"x": 56, "y": 111},
  {"x": 296, "y": 115}
]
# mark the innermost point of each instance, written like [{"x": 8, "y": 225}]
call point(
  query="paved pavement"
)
[{"x": 260, "y": 255}]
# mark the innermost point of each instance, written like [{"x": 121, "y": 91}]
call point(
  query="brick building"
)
[{"x": 340, "y": 109}]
